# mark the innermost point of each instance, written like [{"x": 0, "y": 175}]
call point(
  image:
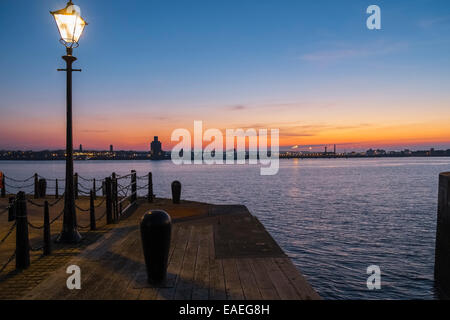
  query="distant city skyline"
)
[
  {"x": 316, "y": 148},
  {"x": 311, "y": 69}
]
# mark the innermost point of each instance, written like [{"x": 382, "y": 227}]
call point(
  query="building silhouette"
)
[
  {"x": 156, "y": 151},
  {"x": 81, "y": 148},
  {"x": 111, "y": 148}
]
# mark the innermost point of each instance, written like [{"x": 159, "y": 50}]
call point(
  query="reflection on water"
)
[{"x": 334, "y": 217}]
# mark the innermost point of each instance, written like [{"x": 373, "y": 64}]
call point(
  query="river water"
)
[{"x": 333, "y": 217}]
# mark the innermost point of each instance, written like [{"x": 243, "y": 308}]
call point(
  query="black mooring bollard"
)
[
  {"x": 42, "y": 188},
  {"x": 176, "y": 191},
  {"x": 22, "y": 241},
  {"x": 156, "y": 227},
  {"x": 47, "y": 250},
  {"x": 12, "y": 209}
]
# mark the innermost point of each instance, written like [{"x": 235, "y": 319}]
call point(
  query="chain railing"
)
[
  {"x": 41, "y": 187},
  {"x": 118, "y": 199}
]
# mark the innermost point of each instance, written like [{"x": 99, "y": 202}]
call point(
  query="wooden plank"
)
[
  {"x": 148, "y": 293},
  {"x": 285, "y": 289},
  {"x": 105, "y": 271},
  {"x": 175, "y": 263},
  {"x": 184, "y": 282},
  {"x": 123, "y": 272},
  {"x": 113, "y": 267},
  {"x": 233, "y": 286},
  {"x": 201, "y": 274},
  {"x": 265, "y": 285},
  {"x": 217, "y": 279},
  {"x": 302, "y": 286},
  {"x": 248, "y": 281},
  {"x": 55, "y": 287}
]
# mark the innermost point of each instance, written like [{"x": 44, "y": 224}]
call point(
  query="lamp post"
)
[{"x": 70, "y": 26}]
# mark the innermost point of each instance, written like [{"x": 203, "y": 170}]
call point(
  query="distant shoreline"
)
[{"x": 281, "y": 158}]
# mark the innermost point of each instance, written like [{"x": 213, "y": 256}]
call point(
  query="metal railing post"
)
[
  {"x": 42, "y": 188},
  {"x": 108, "y": 191},
  {"x": 133, "y": 186},
  {"x": 92, "y": 210},
  {"x": 3, "y": 195},
  {"x": 150, "y": 188},
  {"x": 36, "y": 186},
  {"x": 47, "y": 234},
  {"x": 114, "y": 196},
  {"x": 22, "y": 241},
  {"x": 95, "y": 189}
]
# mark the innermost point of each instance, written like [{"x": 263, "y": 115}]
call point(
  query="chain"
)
[
  {"x": 20, "y": 187},
  {"x": 50, "y": 179},
  {"x": 8, "y": 233},
  {"x": 101, "y": 202},
  {"x": 16, "y": 180},
  {"x": 56, "y": 201},
  {"x": 42, "y": 205},
  {"x": 123, "y": 177},
  {"x": 36, "y": 249},
  {"x": 35, "y": 227},
  {"x": 85, "y": 179},
  {"x": 35, "y": 204},
  {"x": 99, "y": 218},
  {"x": 83, "y": 187},
  {"x": 81, "y": 209},
  {"x": 8, "y": 262},
  {"x": 57, "y": 217}
]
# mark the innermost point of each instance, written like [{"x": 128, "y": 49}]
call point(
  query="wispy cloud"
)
[
  {"x": 236, "y": 107},
  {"x": 430, "y": 22},
  {"x": 94, "y": 131},
  {"x": 294, "y": 129},
  {"x": 337, "y": 54}
]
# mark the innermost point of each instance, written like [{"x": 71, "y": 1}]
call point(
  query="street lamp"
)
[{"x": 70, "y": 26}]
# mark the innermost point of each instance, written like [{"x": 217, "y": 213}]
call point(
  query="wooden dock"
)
[{"x": 217, "y": 252}]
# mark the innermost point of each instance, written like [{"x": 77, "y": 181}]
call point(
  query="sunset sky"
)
[{"x": 310, "y": 68}]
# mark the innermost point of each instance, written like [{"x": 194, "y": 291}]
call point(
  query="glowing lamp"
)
[{"x": 70, "y": 24}]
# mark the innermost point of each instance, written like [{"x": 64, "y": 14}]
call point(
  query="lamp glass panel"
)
[{"x": 70, "y": 26}]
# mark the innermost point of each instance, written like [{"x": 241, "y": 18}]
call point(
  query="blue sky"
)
[{"x": 297, "y": 65}]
